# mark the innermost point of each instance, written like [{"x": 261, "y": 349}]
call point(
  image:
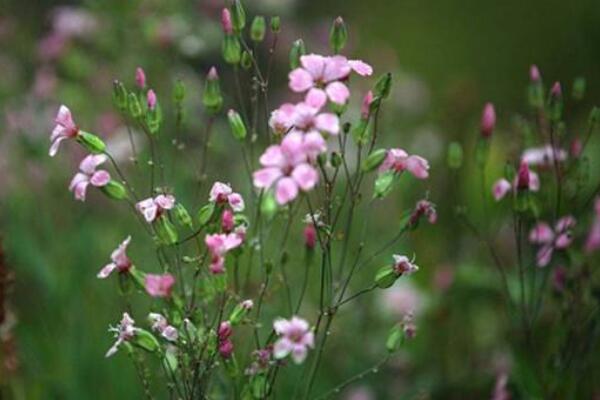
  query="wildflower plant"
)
[{"x": 223, "y": 258}]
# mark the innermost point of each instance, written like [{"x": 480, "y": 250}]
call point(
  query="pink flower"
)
[
  {"x": 88, "y": 174},
  {"x": 160, "y": 325},
  {"x": 488, "y": 120},
  {"x": 424, "y": 208},
  {"x": 247, "y": 304},
  {"x": 152, "y": 208},
  {"x": 124, "y": 331},
  {"x": 65, "y": 128},
  {"x": 226, "y": 21},
  {"x": 286, "y": 166},
  {"x": 550, "y": 239},
  {"x": 159, "y": 285},
  {"x": 151, "y": 99},
  {"x": 404, "y": 266},
  {"x": 227, "y": 222},
  {"x": 140, "y": 77},
  {"x": 222, "y": 193},
  {"x": 218, "y": 245},
  {"x": 501, "y": 188},
  {"x": 321, "y": 76},
  {"x": 224, "y": 331},
  {"x": 295, "y": 339},
  {"x": 306, "y": 118},
  {"x": 282, "y": 119},
  {"x": 399, "y": 160},
  {"x": 528, "y": 180},
  {"x": 119, "y": 259},
  {"x": 543, "y": 156}
]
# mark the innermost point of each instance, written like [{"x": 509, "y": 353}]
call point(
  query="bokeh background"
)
[{"x": 447, "y": 57}]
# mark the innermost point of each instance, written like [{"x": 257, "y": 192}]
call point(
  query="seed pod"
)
[
  {"x": 275, "y": 24},
  {"x": 91, "y": 142},
  {"x": 374, "y": 160},
  {"x": 212, "y": 98},
  {"x": 258, "y": 28},
  {"x": 338, "y": 35},
  {"x": 114, "y": 190},
  {"x": 238, "y": 129},
  {"x": 120, "y": 95},
  {"x": 232, "y": 50},
  {"x": 298, "y": 50},
  {"x": 238, "y": 16}
]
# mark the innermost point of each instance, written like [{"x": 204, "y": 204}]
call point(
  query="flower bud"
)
[
  {"x": 119, "y": 95},
  {"x": 383, "y": 86},
  {"x": 224, "y": 331},
  {"x": 310, "y": 236},
  {"x": 298, "y": 50},
  {"x": 135, "y": 108},
  {"x": 556, "y": 102},
  {"x": 140, "y": 78},
  {"x": 385, "y": 277},
  {"x": 145, "y": 340},
  {"x": 182, "y": 215},
  {"x": 536, "y": 90},
  {"x": 455, "y": 155},
  {"x": 523, "y": 176},
  {"x": 238, "y": 16},
  {"x": 91, "y": 142},
  {"x": 246, "y": 60},
  {"x": 212, "y": 98},
  {"x": 151, "y": 99},
  {"x": 275, "y": 24},
  {"x": 114, "y": 190},
  {"x": 556, "y": 90},
  {"x": 232, "y": 50},
  {"x": 258, "y": 28},
  {"x": 226, "y": 21},
  {"x": 488, "y": 120},
  {"x": 226, "y": 348},
  {"x": 374, "y": 160},
  {"x": 227, "y": 222},
  {"x": 238, "y": 129},
  {"x": 179, "y": 91},
  {"x": 205, "y": 213},
  {"x": 338, "y": 35},
  {"x": 240, "y": 311},
  {"x": 394, "y": 339}
]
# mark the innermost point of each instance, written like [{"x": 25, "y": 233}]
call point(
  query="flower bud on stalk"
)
[
  {"x": 240, "y": 311},
  {"x": 338, "y": 35},
  {"x": 154, "y": 114},
  {"x": 383, "y": 86},
  {"x": 238, "y": 129},
  {"x": 298, "y": 50},
  {"x": 140, "y": 78},
  {"x": 231, "y": 48},
  {"x": 310, "y": 236},
  {"x": 374, "y": 160},
  {"x": 258, "y": 28},
  {"x": 183, "y": 216},
  {"x": 151, "y": 99},
  {"x": 238, "y": 16},
  {"x": 212, "y": 98},
  {"x": 536, "y": 89},
  {"x": 120, "y": 95},
  {"x": 488, "y": 120},
  {"x": 178, "y": 91}
]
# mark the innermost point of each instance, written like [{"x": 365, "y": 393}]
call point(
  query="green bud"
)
[
  {"x": 384, "y": 184},
  {"x": 145, "y": 340},
  {"x": 231, "y": 49},
  {"x": 338, "y": 35},
  {"x": 238, "y": 16},
  {"x": 178, "y": 91},
  {"x": 246, "y": 61},
  {"x": 114, "y": 190},
  {"x": 385, "y": 277},
  {"x": 268, "y": 205},
  {"x": 135, "y": 107},
  {"x": 212, "y": 98},
  {"x": 165, "y": 230},
  {"x": 258, "y": 28},
  {"x": 120, "y": 95},
  {"x": 240, "y": 311},
  {"x": 336, "y": 159},
  {"x": 275, "y": 24},
  {"x": 394, "y": 339},
  {"x": 183, "y": 216},
  {"x": 238, "y": 129},
  {"x": 374, "y": 160},
  {"x": 579, "y": 88},
  {"x": 383, "y": 86},
  {"x": 154, "y": 119},
  {"x": 205, "y": 214},
  {"x": 455, "y": 155},
  {"x": 298, "y": 50},
  {"x": 91, "y": 142}
]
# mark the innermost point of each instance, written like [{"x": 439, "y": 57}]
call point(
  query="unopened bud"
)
[
  {"x": 182, "y": 215},
  {"x": 374, "y": 160},
  {"x": 310, "y": 236},
  {"x": 226, "y": 348},
  {"x": 227, "y": 222},
  {"x": 179, "y": 91},
  {"x": 556, "y": 90},
  {"x": 151, "y": 99},
  {"x": 165, "y": 230},
  {"x": 226, "y": 21},
  {"x": 212, "y": 98},
  {"x": 140, "y": 77},
  {"x": 231, "y": 49},
  {"x": 534, "y": 74},
  {"x": 297, "y": 51},
  {"x": 365, "y": 107},
  {"x": 240, "y": 311},
  {"x": 536, "y": 90},
  {"x": 258, "y": 28},
  {"x": 91, "y": 142},
  {"x": 523, "y": 176},
  {"x": 135, "y": 108},
  {"x": 238, "y": 129},
  {"x": 338, "y": 35},
  {"x": 275, "y": 24},
  {"x": 246, "y": 60},
  {"x": 383, "y": 86},
  {"x": 119, "y": 95},
  {"x": 238, "y": 16},
  {"x": 114, "y": 190},
  {"x": 488, "y": 120},
  {"x": 556, "y": 102},
  {"x": 224, "y": 331}
]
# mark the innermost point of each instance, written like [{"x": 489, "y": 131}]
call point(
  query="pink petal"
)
[
  {"x": 314, "y": 144},
  {"x": 273, "y": 157},
  {"x": 286, "y": 190},
  {"x": 165, "y": 201},
  {"x": 305, "y": 176},
  {"x": 563, "y": 241},
  {"x": 64, "y": 117},
  {"x": 119, "y": 255},
  {"x": 55, "y": 145},
  {"x": 418, "y": 166},
  {"x": 217, "y": 265},
  {"x": 534, "y": 181},
  {"x": 300, "y": 80},
  {"x": 299, "y": 353},
  {"x": 264, "y": 178},
  {"x": 500, "y": 189},
  {"x": 328, "y": 122},
  {"x": 148, "y": 209},
  {"x": 541, "y": 234},
  {"x": 232, "y": 241},
  {"x": 106, "y": 271},
  {"x": 89, "y": 164},
  {"x": 544, "y": 255},
  {"x": 337, "y": 92},
  {"x": 314, "y": 64},
  {"x": 100, "y": 178},
  {"x": 565, "y": 223},
  {"x": 219, "y": 191},
  {"x": 236, "y": 202},
  {"x": 281, "y": 326},
  {"x": 282, "y": 348},
  {"x": 361, "y": 67},
  {"x": 292, "y": 147},
  {"x": 336, "y": 67},
  {"x": 316, "y": 98}
]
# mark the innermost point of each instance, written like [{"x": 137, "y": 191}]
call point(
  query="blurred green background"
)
[{"x": 447, "y": 57}]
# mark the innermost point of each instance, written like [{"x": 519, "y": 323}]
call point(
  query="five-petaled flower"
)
[
  {"x": 65, "y": 128},
  {"x": 152, "y": 208},
  {"x": 124, "y": 331},
  {"x": 88, "y": 174},
  {"x": 550, "y": 239},
  {"x": 159, "y": 285},
  {"x": 399, "y": 160},
  {"x": 221, "y": 193},
  {"x": 120, "y": 261},
  {"x": 296, "y": 338},
  {"x": 218, "y": 245}
]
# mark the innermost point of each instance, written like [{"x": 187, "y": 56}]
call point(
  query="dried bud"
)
[
  {"x": 338, "y": 35},
  {"x": 140, "y": 77},
  {"x": 488, "y": 120},
  {"x": 226, "y": 21}
]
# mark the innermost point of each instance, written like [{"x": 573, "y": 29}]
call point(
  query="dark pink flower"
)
[
  {"x": 403, "y": 265},
  {"x": 227, "y": 222},
  {"x": 310, "y": 236},
  {"x": 218, "y": 246},
  {"x": 159, "y": 285},
  {"x": 120, "y": 261},
  {"x": 226, "y": 348},
  {"x": 226, "y": 21},
  {"x": 89, "y": 175},
  {"x": 424, "y": 208},
  {"x": 399, "y": 160}
]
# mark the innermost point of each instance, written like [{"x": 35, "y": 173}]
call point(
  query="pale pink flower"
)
[
  {"x": 295, "y": 339},
  {"x": 282, "y": 119},
  {"x": 286, "y": 166},
  {"x": 88, "y": 174},
  {"x": 543, "y": 156},
  {"x": 222, "y": 193},
  {"x": 124, "y": 331},
  {"x": 159, "y": 285},
  {"x": 321, "y": 76},
  {"x": 160, "y": 325},
  {"x": 488, "y": 120},
  {"x": 500, "y": 390},
  {"x": 403, "y": 265},
  {"x": 247, "y": 304},
  {"x": 140, "y": 77},
  {"x": 218, "y": 245},
  {"x": 550, "y": 239},
  {"x": 309, "y": 120},
  {"x": 399, "y": 160},
  {"x": 152, "y": 208},
  {"x": 151, "y": 99},
  {"x": 65, "y": 128},
  {"x": 120, "y": 261}
]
